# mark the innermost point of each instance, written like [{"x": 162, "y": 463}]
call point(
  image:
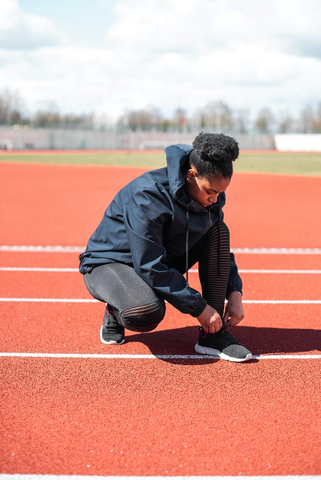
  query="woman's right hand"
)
[{"x": 210, "y": 320}]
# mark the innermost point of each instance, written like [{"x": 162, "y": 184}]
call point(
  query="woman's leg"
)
[
  {"x": 214, "y": 266},
  {"x": 134, "y": 303}
]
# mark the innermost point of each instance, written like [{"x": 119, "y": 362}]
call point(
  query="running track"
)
[{"x": 73, "y": 406}]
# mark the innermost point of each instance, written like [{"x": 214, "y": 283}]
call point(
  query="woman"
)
[{"x": 154, "y": 230}]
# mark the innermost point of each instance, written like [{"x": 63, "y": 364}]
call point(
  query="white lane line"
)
[
  {"x": 192, "y": 270},
  {"x": 85, "y": 300},
  {"x": 37, "y": 269},
  {"x": 284, "y": 302},
  {"x": 307, "y": 272},
  {"x": 50, "y": 300},
  {"x": 79, "y": 249},
  {"x": 41, "y": 248},
  {"x": 20, "y": 476},
  {"x": 277, "y": 251},
  {"x": 150, "y": 356}
]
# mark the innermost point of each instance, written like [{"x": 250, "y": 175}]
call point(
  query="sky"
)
[{"x": 109, "y": 56}]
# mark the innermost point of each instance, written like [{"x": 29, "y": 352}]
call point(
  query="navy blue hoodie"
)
[{"x": 145, "y": 226}]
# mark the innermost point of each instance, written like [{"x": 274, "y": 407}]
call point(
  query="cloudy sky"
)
[{"x": 108, "y": 55}]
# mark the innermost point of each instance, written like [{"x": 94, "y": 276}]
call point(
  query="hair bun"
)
[{"x": 216, "y": 147}]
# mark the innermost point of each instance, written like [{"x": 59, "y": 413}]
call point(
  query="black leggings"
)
[{"x": 137, "y": 307}]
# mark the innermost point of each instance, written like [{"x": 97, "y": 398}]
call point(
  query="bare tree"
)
[
  {"x": 285, "y": 123},
  {"x": 242, "y": 120},
  {"x": 306, "y": 119},
  {"x": 215, "y": 114},
  {"x": 264, "y": 121},
  {"x": 12, "y": 107},
  {"x": 180, "y": 119},
  {"x": 145, "y": 119},
  {"x": 316, "y": 125}
]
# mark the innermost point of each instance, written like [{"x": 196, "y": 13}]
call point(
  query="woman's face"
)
[{"x": 205, "y": 191}]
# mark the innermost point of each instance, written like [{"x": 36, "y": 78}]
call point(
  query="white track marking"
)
[
  {"x": 284, "y": 302},
  {"x": 75, "y": 249},
  {"x": 39, "y": 269},
  {"x": 50, "y": 300},
  {"x": 17, "y": 476},
  {"x": 277, "y": 251},
  {"x": 86, "y": 300},
  {"x": 307, "y": 272},
  {"x": 41, "y": 248},
  {"x": 149, "y": 356},
  {"x": 192, "y": 270}
]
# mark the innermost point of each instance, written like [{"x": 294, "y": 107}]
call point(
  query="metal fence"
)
[{"x": 22, "y": 138}]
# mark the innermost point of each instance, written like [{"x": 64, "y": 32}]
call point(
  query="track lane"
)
[
  {"x": 113, "y": 417},
  {"x": 74, "y": 328},
  {"x": 273, "y": 218},
  {"x": 24, "y": 284}
]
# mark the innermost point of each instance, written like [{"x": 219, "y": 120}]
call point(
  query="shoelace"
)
[
  {"x": 112, "y": 321},
  {"x": 221, "y": 331}
]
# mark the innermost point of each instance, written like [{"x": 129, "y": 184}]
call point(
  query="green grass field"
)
[{"x": 279, "y": 163}]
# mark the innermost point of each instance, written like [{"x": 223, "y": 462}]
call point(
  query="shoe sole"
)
[
  {"x": 109, "y": 342},
  {"x": 217, "y": 354}
]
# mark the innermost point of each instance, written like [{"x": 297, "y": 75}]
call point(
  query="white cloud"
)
[
  {"x": 20, "y": 30},
  {"x": 171, "y": 53},
  {"x": 194, "y": 27}
]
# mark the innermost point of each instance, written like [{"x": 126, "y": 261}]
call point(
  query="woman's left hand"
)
[{"x": 234, "y": 312}]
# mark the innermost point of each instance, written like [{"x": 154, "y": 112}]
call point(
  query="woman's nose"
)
[{"x": 213, "y": 198}]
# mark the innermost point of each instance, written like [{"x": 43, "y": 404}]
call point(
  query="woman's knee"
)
[{"x": 142, "y": 318}]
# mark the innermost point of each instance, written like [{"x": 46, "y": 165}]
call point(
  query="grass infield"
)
[{"x": 267, "y": 162}]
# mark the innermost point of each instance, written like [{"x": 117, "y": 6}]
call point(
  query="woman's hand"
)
[
  {"x": 234, "y": 312},
  {"x": 210, "y": 320}
]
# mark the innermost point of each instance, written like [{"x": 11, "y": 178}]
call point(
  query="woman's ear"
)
[{"x": 191, "y": 174}]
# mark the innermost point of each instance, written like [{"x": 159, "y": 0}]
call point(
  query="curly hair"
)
[{"x": 214, "y": 154}]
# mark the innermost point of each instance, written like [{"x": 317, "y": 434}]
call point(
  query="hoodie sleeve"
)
[{"x": 144, "y": 222}]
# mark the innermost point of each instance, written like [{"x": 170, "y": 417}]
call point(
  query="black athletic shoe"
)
[
  {"x": 222, "y": 345},
  {"x": 111, "y": 332}
]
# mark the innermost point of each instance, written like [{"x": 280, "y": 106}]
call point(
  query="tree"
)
[
  {"x": 145, "y": 119},
  {"x": 316, "y": 125},
  {"x": 11, "y": 107},
  {"x": 264, "y": 121},
  {"x": 242, "y": 120},
  {"x": 180, "y": 119},
  {"x": 215, "y": 114},
  {"x": 306, "y": 119},
  {"x": 285, "y": 123}
]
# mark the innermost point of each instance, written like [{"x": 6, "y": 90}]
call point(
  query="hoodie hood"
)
[{"x": 177, "y": 158}]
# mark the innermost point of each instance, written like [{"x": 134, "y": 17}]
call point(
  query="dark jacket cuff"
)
[{"x": 201, "y": 307}]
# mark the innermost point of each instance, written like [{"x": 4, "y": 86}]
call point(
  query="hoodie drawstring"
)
[
  {"x": 219, "y": 243},
  {"x": 187, "y": 245}
]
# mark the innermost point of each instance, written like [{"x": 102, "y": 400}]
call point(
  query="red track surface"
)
[{"x": 156, "y": 416}]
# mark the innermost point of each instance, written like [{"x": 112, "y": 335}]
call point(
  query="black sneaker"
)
[
  {"x": 222, "y": 345},
  {"x": 111, "y": 332}
]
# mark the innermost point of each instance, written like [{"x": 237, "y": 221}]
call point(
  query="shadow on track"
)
[{"x": 260, "y": 340}]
